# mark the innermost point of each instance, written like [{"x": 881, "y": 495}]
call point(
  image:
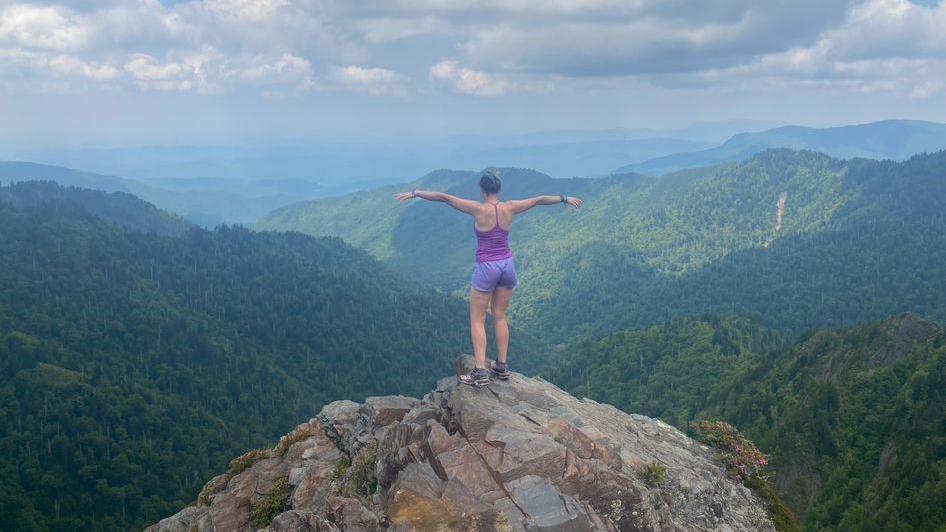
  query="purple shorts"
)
[{"x": 488, "y": 275}]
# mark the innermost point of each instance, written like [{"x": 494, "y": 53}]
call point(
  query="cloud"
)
[
  {"x": 375, "y": 81},
  {"x": 245, "y": 10},
  {"x": 41, "y": 27},
  {"x": 356, "y": 75},
  {"x": 287, "y": 69},
  {"x": 496, "y": 47},
  {"x": 467, "y": 80},
  {"x": 892, "y": 46},
  {"x": 69, "y": 66},
  {"x": 656, "y": 42}
]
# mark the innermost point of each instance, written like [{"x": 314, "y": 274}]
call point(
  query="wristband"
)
[
  {"x": 413, "y": 194},
  {"x": 564, "y": 199}
]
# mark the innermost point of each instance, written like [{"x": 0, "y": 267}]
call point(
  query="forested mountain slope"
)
[
  {"x": 888, "y": 139},
  {"x": 119, "y": 208},
  {"x": 855, "y": 419},
  {"x": 802, "y": 239},
  {"x": 134, "y": 365}
]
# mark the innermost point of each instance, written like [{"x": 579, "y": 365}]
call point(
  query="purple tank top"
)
[{"x": 493, "y": 244}]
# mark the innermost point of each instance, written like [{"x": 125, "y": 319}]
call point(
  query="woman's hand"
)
[
  {"x": 404, "y": 196},
  {"x": 574, "y": 202}
]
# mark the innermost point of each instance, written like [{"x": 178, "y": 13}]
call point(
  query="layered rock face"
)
[{"x": 516, "y": 455}]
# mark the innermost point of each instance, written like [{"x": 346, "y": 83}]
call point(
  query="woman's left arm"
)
[{"x": 460, "y": 204}]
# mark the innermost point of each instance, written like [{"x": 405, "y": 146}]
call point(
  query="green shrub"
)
[
  {"x": 275, "y": 503},
  {"x": 204, "y": 498},
  {"x": 341, "y": 469},
  {"x": 300, "y": 433},
  {"x": 245, "y": 461},
  {"x": 359, "y": 478},
  {"x": 741, "y": 457},
  {"x": 747, "y": 463}
]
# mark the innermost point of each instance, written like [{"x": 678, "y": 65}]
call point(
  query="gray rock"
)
[
  {"x": 514, "y": 456},
  {"x": 293, "y": 521},
  {"x": 386, "y": 410}
]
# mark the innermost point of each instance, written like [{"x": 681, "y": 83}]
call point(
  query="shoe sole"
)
[{"x": 478, "y": 384}]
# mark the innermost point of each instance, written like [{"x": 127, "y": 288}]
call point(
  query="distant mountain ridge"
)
[
  {"x": 206, "y": 202},
  {"x": 888, "y": 139}
]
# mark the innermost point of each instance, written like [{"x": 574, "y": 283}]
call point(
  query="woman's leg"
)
[
  {"x": 479, "y": 302},
  {"x": 500, "y": 304}
]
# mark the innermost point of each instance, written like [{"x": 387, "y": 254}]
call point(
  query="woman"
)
[{"x": 494, "y": 273}]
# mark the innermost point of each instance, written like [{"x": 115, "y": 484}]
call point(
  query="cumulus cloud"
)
[
  {"x": 467, "y": 80},
  {"x": 882, "y": 46},
  {"x": 376, "y": 81},
  {"x": 287, "y": 69},
  {"x": 42, "y": 27},
  {"x": 196, "y": 45}
]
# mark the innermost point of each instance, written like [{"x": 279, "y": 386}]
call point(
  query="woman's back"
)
[
  {"x": 487, "y": 217},
  {"x": 492, "y": 244}
]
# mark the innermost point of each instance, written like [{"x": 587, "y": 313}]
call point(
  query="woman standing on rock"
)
[{"x": 494, "y": 272}]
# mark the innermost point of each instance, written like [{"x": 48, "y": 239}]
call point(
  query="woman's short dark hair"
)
[{"x": 490, "y": 182}]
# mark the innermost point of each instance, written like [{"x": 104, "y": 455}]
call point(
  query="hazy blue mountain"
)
[
  {"x": 205, "y": 201},
  {"x": 712, "y": 132},
  {"x": 569, "y": 159},
  {"x": 889, "y": 139},
  {"x": 27, "y": 171},
  {"x": 340, "y": 161}
]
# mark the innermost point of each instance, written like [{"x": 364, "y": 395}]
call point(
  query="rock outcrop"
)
[{"x": 517, "y": 455}]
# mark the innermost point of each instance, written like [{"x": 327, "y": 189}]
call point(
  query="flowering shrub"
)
[{"x": 742, "y": 458}]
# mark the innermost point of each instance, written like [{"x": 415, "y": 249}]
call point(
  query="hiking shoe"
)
[
  {"x": 501, "y": 370},
  {"x": 477, "y": 377}
]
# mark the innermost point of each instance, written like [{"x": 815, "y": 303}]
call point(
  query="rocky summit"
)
[{"x": 516, "y": 455}]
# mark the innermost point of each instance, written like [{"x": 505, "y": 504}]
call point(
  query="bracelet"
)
[
  {"x": 413, "y": 194},
  {"x": 564, "y": 199}
]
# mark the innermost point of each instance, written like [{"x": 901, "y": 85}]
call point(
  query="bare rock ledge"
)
[{"x": 516, "y": 455}]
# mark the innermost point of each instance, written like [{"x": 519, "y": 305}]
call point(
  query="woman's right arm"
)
[{"x": 520, "y": 206}]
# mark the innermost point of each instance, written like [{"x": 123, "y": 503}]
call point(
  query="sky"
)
[{"x": 107, "y": 73}]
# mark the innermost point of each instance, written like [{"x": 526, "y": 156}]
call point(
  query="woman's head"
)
[{"x": 490, "y": 182}]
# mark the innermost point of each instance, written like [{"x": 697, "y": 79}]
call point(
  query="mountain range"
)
[
  {"x": 796, "y": 295},
  {"x": 888, "y": 139},
  {"x": 337, "y": 161},
  {"x": 205, "y": 201},
  {"x": 799, "y": 238}
]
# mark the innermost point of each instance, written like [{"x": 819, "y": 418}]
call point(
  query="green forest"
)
[
  {"x": 854, "y": 419},
  {"x": 137, "y": 359}
]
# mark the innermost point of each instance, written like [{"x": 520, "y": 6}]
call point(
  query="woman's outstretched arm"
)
[
  {"x": 519, "y": 206},
  {"x": 460, "y": 204}
]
